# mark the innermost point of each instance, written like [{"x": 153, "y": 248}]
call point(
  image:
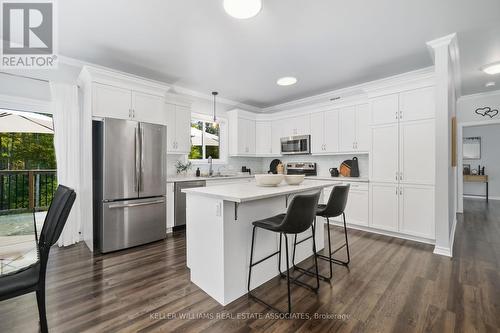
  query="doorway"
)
[
  {"x": 479, "y": 163},
  {"x": 28, "y": 180}
]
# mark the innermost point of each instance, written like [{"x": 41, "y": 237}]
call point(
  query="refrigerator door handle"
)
[
  {"x": 137, "y": 204},
  {"x": 137, "y": 161},
  {"x": 141, "y": 185}
]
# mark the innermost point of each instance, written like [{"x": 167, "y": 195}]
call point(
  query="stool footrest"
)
[{"x": 309, "y": 273}]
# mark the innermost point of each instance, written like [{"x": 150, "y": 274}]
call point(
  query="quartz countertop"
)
[
  {"x": 177, "y": 179},
  {"x": 250, "y": 191},
  {"x": 339, "y": 179}
]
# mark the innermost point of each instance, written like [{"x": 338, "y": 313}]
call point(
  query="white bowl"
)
[
  {"x": 294, "y": 179},
  {"x": 269, "y": 179}
]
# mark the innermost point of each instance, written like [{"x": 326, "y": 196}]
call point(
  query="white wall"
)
[
  {"x": 466, "y": 117},
  {"x": 467, "y": 106},
  {"x": 490, "y": 158}
]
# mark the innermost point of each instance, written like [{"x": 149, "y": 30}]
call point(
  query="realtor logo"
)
[{"x": 28, "y": 35}]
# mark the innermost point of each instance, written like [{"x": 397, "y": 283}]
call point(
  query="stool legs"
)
[
  {"x": 316, "y": 255},
  {"x": 289, "y": 279},
  {"x": 331, "y": 253}
]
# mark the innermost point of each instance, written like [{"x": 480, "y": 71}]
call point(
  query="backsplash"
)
[
  {"x": 233, "y": 164},
  {"x": 261, "y": 165},
  {"x": 324, "y": 163}
]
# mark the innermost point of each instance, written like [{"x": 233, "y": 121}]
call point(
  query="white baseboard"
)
[
  {"x": 442, "y": 251},
  {"x": 383, "y": 232},
  {"x": 447, "y": 251}
]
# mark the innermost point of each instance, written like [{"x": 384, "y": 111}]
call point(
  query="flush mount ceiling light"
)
[
  {"x": 489, "y": 84},
  {"x": 242, "y": 9},
  {"x": 492, "y": 69},
  {"x": 286, "y": 81}
]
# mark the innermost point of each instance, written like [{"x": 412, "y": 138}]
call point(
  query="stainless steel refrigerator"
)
[{"x": 129, "y": 183}]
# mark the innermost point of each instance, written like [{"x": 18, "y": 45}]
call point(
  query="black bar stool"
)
[
  {"x": 334, "y": 207},
  {"x": 298, "y": 218}
]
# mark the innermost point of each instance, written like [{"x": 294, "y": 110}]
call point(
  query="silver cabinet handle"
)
[
  {"x": 397, "y": 114},
  {"x": 396, "y": 175},
  {"x": 137, "y": 204},
  {"x": 400, "y": 176},
  {"x": 400, "y": 114}
]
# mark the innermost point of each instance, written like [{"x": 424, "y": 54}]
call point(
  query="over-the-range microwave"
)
[{"x": 295, "y": 145}]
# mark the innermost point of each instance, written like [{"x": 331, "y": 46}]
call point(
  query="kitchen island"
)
[{"x": 219, "y": 231}]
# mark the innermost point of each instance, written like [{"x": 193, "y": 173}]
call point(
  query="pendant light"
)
[{"x": 215, "y": 93}]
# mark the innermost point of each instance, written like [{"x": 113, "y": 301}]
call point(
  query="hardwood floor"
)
[{"x": 391, "y": 285}]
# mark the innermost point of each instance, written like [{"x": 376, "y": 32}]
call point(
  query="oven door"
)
[{"x": 294, "y": 145}]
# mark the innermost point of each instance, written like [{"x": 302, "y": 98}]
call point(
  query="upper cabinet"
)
[
  {"x": 412, "y": 105},
  {"x": 385, "y": 109},
  {"x": 354, "y": 129},
  {"x": 242, "y": 133},
  {"x": 297, "y": 125},
  {"x": 148, "y": 108},
  {"x": 417, "y": 104},
  {"x": 116, "y": 95},
  {"x": 263, "y": 138},
  {"x": 324, "y": 132},
  {"x": 178, "y": 128}
]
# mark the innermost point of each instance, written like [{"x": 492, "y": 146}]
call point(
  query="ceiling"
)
[
  {"x": 326, "y": 44},
  {"x": 479, "y": 47}
]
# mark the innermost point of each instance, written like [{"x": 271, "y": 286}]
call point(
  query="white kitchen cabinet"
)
[
  {"x": 417, "y": 152},
  {"x": 357, "y": 208},
  {"x": 149, "y": 108},
  {"x": 354, "y": 128},
  {"x": 417, "y": 104},
  {"x": 298, "y": 125},
  {"x": 384, "y": 206},
  {"x": 417, "y": 211},
  {"x": 324, "y": 132},
  {"x": 385, "y": 154},
  {"x": 276, "y": 135},
  {"x": 242, "y": 135},
  {"x": 120, "y": 103},
  {"x": 178, "y": 129},
  {"x": 222, "y": 181},
  {"x": 263, "y": 138},
  {"x": 385, "y": 109},
  {"x": 111, "y": 102},
  {"x": 363, "y": 127},
  {"x": 318, "y": 133},
  {"x": 347, "y": 129}
]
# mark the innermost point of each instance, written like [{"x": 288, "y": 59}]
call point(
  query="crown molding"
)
[
  {"x": 373, "y": 88},
  {"x": 451, "y": 43},
  {"x": 173, "y": 88}
]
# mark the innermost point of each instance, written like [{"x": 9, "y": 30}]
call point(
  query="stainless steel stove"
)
[{"x": 301, "y": 168}]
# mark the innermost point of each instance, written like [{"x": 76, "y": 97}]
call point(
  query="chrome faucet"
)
[{"x": 210, "y": 168}]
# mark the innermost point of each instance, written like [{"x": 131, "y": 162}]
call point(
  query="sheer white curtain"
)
[{"x": 66, "y": 113}]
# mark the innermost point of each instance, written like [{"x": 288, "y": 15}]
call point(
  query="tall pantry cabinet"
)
[{"x": 402, "y": 165}]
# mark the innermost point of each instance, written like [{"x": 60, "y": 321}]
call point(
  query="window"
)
[{"x": 205, "y": 140}]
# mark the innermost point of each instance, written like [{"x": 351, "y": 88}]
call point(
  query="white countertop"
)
[
  {"x": 177, "y": 179},
  {"x": 339, "y": 179},
  {"x": 250, "y": 191}
]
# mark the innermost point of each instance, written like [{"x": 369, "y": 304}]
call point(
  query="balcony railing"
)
[{"x": 23, "y": 190}]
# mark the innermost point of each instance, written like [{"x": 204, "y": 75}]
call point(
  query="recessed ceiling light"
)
[
  {"x": 489, "y": 84},
  {"x": 492, "y": 69},
  {"x": 286, "y": 81},
  {"x": 242, "y": 9}
]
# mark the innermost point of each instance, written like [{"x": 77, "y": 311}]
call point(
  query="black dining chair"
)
[
  {"x": 32, "y": 278},
  {"x": 334, "y": 207},
  {"x": 298, "y": 218}
]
